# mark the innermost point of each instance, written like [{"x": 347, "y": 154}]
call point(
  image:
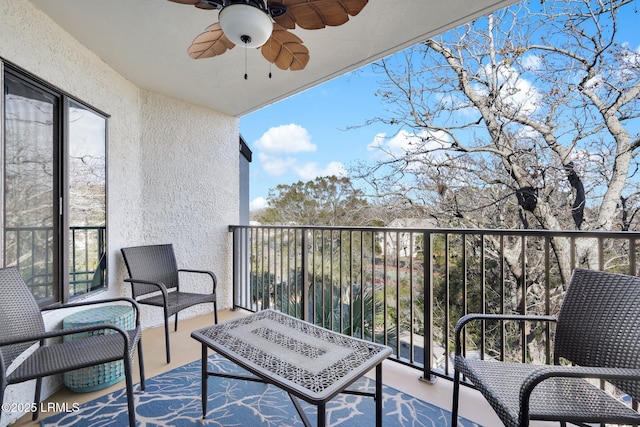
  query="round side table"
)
[{"x": 104, "y": 375}]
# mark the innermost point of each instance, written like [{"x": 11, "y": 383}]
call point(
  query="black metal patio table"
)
[{"x": 306, "y": 361}]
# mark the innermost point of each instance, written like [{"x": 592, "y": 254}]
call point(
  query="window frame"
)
[{"x": 61, "y": 182}]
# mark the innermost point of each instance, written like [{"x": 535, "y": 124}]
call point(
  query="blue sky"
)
[{"x": 306, "y": 136}]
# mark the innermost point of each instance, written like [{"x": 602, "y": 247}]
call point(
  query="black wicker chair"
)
[
  {"x": 23, "y": 326},
  {"x": 597, "y": 330},
  {"x": 153, "y": 274}
]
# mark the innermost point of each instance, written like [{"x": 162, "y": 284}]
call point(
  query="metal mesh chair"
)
[
  {"x": 23, "y": 326},
  {"x": 154, "y": 278},
  {"x": 597, "y": 331}
]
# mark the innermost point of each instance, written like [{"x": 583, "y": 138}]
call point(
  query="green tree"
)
[{"x": 328, "y": 201}]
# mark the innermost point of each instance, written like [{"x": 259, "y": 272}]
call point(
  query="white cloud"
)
[
  {"x": 515, "y": 91},
  {"x": 594, "y": 82},
  {"x": 258, "y": 203},
  {"x": 404, "y": 142},
  {"x": 630, "y": 62},
  {"x": 276, "y": 166},
  {"x": 531, "y": 62},
  {"x": 276, "y": 149},
  {"x": 289, "y": 138},
  {"x": 310, "y": 171}
]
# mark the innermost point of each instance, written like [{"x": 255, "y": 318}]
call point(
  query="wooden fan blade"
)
[
  {"x": 209, "y": 4},
  {"x": 286, "y": 50},
  {"x": 317, "y": 14},
  {"x": 212, "y": 42}
]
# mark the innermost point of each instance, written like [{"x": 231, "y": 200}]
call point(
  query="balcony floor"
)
[{"x": 398, "y": 376}]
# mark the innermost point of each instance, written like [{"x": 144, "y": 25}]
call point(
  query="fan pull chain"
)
[
  {"x": 246, "y": 40},
  {"x": 271, "y": 49},
  {"x": 245, "y": 62}
]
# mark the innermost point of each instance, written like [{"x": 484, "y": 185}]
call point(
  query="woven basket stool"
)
[{"x": 104, "y": 375}]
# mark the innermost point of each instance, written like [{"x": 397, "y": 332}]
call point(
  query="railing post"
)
[
  {"x": 632, "y": 256},
  {"x": 427, "y": 375},
  {"x": 305, "y": 277},
  {"x": 240, "y": 266},
  {"x": 235, "y": 267}
]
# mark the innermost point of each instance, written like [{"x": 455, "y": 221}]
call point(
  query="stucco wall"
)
[
  {"x": 190, "y": 188},
  {"x": 172, "y": 167}
]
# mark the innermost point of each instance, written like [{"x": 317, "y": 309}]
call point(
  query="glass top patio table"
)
[{"x": 307, "y": 361}]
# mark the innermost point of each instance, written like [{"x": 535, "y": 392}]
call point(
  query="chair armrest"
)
[
  {"x": 161, "y": 286},
  {"x": 554, "y": 371},
  {"x": 134, "y": 305},
  {"x": 462, "y": 322},
  {"x": 207, "y": 272},
  {"x": 62, "y": 332}
]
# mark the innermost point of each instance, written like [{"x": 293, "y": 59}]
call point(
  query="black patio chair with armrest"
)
[
  {"x": 597, "y": 330},
  {"x": 154, "y": 277},
  {"x": 23, "y": 326}
]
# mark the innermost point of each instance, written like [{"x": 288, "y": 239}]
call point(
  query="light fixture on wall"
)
[{"x": 246, "y": 24}]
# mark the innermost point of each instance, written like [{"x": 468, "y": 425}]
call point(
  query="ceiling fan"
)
[{"x": 265, "y": 24}]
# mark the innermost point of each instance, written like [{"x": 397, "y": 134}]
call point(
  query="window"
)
[
  {"x": 54, "y": 168},
  {"x": 87, "y": 199}
]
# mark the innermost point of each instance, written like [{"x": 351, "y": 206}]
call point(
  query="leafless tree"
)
[{"x": 528, "y": 118}]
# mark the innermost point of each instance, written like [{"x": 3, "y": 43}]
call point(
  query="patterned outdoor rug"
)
[{"x": 173, "y": 399}]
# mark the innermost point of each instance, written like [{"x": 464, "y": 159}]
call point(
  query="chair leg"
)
[
  {"x": 166, "y": 337},
  {"x": 36, "y": 399},
  {"x": 130, "y": 402},
  {"x": 3, "y": 386},
  {"x": 456, "y": 391},
  {"x": 141, "y": 365},
  {"x": 175, "y": 323}
]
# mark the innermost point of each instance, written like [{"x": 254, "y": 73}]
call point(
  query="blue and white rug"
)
[{"x": 173, "y": 399}]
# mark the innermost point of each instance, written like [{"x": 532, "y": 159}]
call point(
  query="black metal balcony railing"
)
[
  {"x": 408, "y": 287},
  {"x": 31, "y": 249},
  {"x": 87, "y": 267}
]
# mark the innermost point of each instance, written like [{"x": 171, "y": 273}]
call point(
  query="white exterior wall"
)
[
  {"x": 172, "y": 167},
  {"x": 190, "y": 189}
]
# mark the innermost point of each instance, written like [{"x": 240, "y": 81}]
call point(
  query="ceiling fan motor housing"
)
[
  {"x": 260, "y": 4},
  {"x": 246, "y": 23}
]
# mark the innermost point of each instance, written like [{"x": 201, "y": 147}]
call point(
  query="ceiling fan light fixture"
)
[{"x": 245, "y": 25}]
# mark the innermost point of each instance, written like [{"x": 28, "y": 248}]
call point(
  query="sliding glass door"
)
[
  {"x": 31, "y": 200},
  {"x": 54, "y": 190}
]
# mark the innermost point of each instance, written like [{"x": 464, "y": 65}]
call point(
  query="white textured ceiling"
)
[{"x": 146, "y": 42}]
